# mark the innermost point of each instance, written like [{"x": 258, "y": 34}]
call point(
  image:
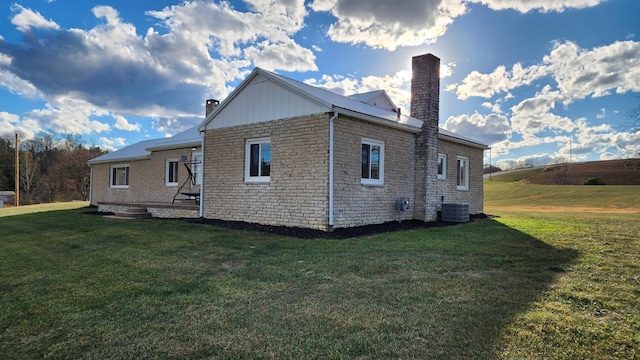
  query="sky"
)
[{"x": 540, "y": 81}]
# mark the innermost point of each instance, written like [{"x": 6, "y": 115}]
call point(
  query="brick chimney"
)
[
  {"x": 425, "y": 105},
  {"x": 210, "y": 105}
]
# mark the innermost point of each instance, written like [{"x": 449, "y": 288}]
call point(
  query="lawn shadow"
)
[
  {"x": 479, "y": 283},
  {"x": 410, "y": 290}
]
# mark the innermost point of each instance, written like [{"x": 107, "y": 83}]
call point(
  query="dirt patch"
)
[{"x": 229, "y": 266}]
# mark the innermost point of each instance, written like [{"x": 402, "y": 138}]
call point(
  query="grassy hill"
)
[{"x": 611, "y": 172}]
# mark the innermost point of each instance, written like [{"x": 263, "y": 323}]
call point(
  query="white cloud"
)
[
  {"x": 490, "y": 130},
  {"x": 580, "y": 73},
  {"x": 113, "y": 68},
  {"x": 17, "y": 85},
  {"x": 25, "y": 19},
  {"x": 526, "y": 161},
  {"x": 525, "y": 6},
  {"x": 65, "y": 115},
  {"x": 500, "y": 80},
  {"x": 288, "y": 56},
  {"x": 397, "y": 86},
  {"x": 392, "y": 24},
  {"x": 112, "y": 144},
  {"x": 577, "y": 73},
  {"x": 8, "y": 123},
  {"x": 123, "y": 124}
]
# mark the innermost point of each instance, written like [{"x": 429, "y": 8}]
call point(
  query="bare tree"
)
[
  {"x": 561, "y": 171},
  {"x": 634, "y": 127},
  {"x": 29, "y": 174}
]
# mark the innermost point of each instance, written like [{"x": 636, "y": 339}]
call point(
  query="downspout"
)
[
  {"x": 202, "y": 178},
  {"x": 335, "y": 116},
  {"x": 91, "y": 185}
]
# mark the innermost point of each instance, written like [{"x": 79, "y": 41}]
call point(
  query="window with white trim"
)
[
  {"x": 258, "y": 160},
  {"x": 463, "y": 173},
  {"x": 442, "y": 166},
  {"x": 372, "y": 162},
  {"x": 119, "y": 176},
  {"x": 171, "y": 172}
]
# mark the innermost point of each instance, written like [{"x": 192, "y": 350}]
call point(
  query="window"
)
[
  {"x": 442, "y": 166},
  {"x": 463, "y": 173},
  {"x": 171, "y": 172},
  {"x": 372, "y": 162},
  {"x": 119, "y": 177},
  {"x": 196, "y": 169},
  {"x": 258, "y": 160}
]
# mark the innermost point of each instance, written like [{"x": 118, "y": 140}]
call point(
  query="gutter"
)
[
  {"x": 380, "y": 121},
  {"x": 177, "y": 145},
  {"x": 134, "y": 158},
  {"x": 202, "y": 177},
  {"x": 462, "y": 141},
  {"x": 335, "y": 116},
  {"x": 90, "y": 185}
]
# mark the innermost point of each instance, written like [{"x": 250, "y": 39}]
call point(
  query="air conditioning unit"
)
[{"x": 453, "y": 212}]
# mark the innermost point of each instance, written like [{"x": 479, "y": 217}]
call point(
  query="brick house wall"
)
[
  {"x": 356, "y": 204},
  {"x": 474, "y": 196},
  {"x": 146, "y": 179},
  {"x": 297, "y": 194}
]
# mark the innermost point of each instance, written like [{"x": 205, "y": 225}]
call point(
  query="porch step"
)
[{"x": 134, "y": 213}]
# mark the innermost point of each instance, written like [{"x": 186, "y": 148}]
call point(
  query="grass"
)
[
  {"x": 504, "y": 195},
  {"x": 524, "y": 285}
]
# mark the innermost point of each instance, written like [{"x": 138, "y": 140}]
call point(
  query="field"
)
[
  {"x": 611, "y": 172},
  {"x": 528, "y": 283}
]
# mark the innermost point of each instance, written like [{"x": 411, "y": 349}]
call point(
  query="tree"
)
[
  {"x": 29, "y": 174},
  {"x": 634, "y": 128},
  {"x": 73, "y": 164},
  {"x": 561, "y": 171},
  {"x": 7, "y": 164}
]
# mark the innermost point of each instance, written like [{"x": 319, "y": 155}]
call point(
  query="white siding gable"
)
[
  {"x": 378, "y": 98},
  {"x": 263, "y": 100}
]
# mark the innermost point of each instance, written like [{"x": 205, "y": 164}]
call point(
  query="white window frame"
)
[
  {"x": 247, "y": 161},
  {"x": 462, "y": 177},
  {"x": 442, "y": 175},
  {"x": 380, "y": 179},
  {"x": 167, "y": 172},
  {"x": 196, "y": 169},
  {"x": 127, "y": 176}
]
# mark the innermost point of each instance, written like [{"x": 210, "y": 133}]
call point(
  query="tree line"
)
[{"x": 52, "y": 168}]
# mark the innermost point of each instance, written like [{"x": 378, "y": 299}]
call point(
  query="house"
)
[
  {"x": 148, "y": 174},
  {"x": 7, "y": 197},
  {"x": 280, "y": 152}
]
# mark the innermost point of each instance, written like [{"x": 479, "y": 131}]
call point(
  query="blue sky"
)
[{"x": 540, "y": 81}]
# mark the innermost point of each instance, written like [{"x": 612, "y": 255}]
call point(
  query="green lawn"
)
[
  {"x": 524, "y": 285},
  {"x": 579, "y": 197}
]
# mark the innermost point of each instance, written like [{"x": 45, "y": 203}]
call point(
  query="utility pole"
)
[
  {"x": 17, "y": 186},
  {"x": 570, "y": 150}
]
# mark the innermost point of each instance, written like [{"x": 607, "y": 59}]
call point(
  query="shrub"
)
[{"x": 593, "y": 181}]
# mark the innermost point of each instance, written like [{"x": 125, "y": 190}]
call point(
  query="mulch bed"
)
[
  {"x": 340, "y": 233},
  {"x": 336, "y": 234}
]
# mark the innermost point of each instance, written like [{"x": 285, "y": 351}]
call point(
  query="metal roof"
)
[
  {"x": 142, "y": 150},
  {"x": 187, "y": 138},
  {"x": 330, "y": 100},
  {"x": 451, "y": 136},
  {"x": 137, "y": 151}
]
